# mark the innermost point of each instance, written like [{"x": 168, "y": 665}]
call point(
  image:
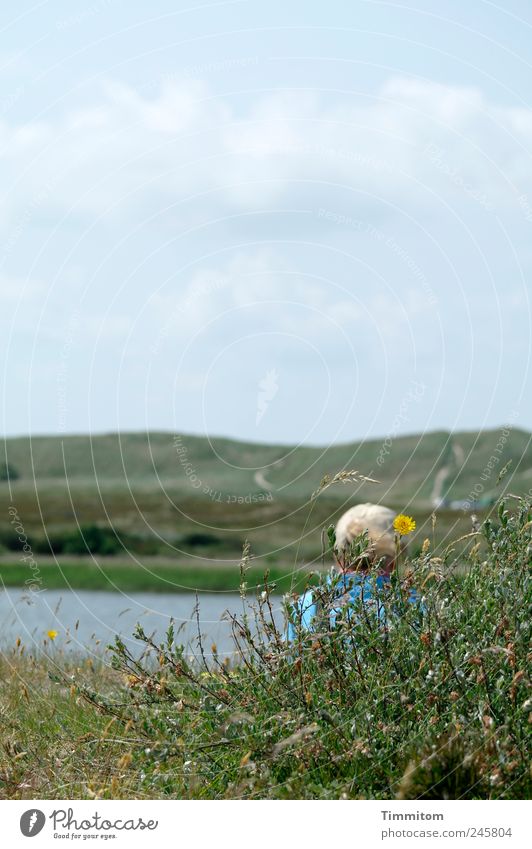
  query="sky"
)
[{"x": 282, "y": 222}]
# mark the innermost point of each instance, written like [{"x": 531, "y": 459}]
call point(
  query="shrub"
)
[
  {"x": 201, "y": 540},
  {"x": 90, "y": 539},
  {"x": 10, "y": 540},
  {"x": 195, "y": 540},
  {"x": 435, "y": 705},
  {"x": 8, "y": 472},
  {"x": 93, "y": 539}
]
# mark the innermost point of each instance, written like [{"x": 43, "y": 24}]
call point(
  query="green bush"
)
[
  {"x": 436, "y": 705},
  {"x": 10, "y": 540},
  {"x": 8, "y": 472},
  {"x": 94, "y": 539},
  {"x": 198, "y": 539}
]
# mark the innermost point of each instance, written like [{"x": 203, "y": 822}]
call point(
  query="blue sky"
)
[{"x": 283, "y": 222}]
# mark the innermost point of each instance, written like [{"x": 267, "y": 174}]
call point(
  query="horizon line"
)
[{"x": 246, "y": 440}]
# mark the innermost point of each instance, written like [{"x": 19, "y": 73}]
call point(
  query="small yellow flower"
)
[
  {"x": 404, "y": 524},
  {"x": 52, "y": 634}
]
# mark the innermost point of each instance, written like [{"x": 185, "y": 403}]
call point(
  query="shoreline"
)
[{"x": 153, "y": 575}]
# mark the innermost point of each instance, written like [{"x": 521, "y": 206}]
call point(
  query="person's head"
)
[{"x": 365, "y": 537}]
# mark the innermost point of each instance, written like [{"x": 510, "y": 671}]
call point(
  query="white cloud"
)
[
  {"x": 181, "y": 140},
  {"x": 259, "y": 292},
  {"x": 395, "y": 286}
]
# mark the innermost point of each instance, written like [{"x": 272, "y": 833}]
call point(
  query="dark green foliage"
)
[
  {"x": 10, "y": 540},
  {"x": 90, "y": 539},
  {"x": 200, "y": 539},
  {"x": 8, "y": 472},
  {"x": 93, "y": 539},
  {"x": 211, "y": 543}
]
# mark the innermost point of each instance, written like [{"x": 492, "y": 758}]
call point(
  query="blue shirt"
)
[{"x": 345, "y": 589}]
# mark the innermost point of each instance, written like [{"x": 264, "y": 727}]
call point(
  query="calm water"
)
[{"x": 87, "y": 621}]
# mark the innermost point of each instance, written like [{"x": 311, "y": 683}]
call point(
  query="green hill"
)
[
  {"x": 195, "y": 501},
  {"x": 196, "y": 466}
]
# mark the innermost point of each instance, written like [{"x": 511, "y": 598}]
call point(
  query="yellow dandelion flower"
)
[
  {"x": 404, "y": 524},
  {"x": 52, "y": 634}
]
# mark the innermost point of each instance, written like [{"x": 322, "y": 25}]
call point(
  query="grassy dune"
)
[{"x": 224, "y": 468}]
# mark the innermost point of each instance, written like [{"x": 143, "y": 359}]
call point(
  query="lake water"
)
[{"x": 87, "y": 621}]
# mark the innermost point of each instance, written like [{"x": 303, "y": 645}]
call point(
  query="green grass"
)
[
  {"x": 436, "y": 706},
  {"x": 54, "y": 744},
  {"x": 112, "y": 574}
]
